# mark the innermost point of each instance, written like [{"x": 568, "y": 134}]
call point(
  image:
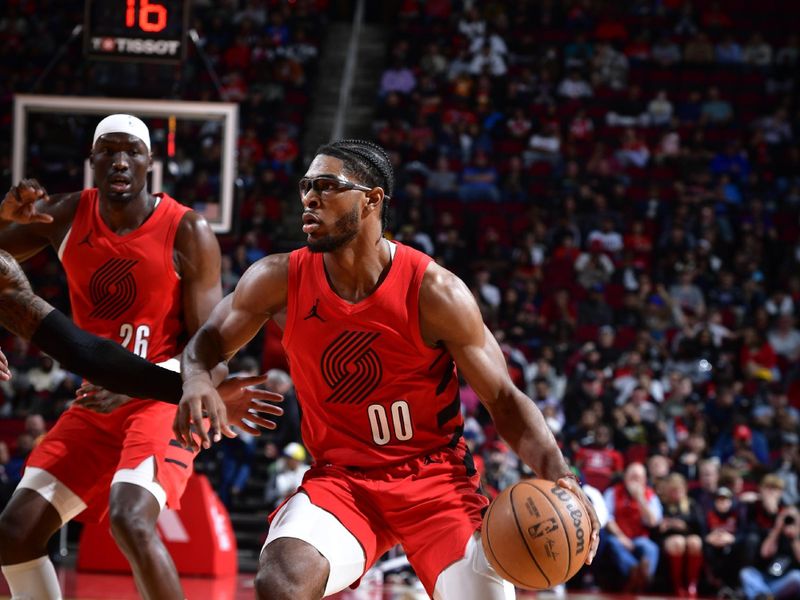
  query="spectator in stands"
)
[
  {"x": 714, "y": 18},
  {"x": 733, "y": 161},
  {"x": 500, "y": 467},
  {"x": 787, "y": 467},
  {"x": 776, "y": 574},
  {"x": 634, "y": 150},
  {"x": 680, "y": 534},
  {"x": 638, "y": 50},
  {"x": 287, "y": 475},
  {"x": 691, "y": 450},
  {"x": 581, "y": 127},
  {"x": 16, "y": 464},
  {"x": 609, "y": 67},
  {"x": 757, "y": 52},
  {"x": 545, "y": 146},
  {"x": 698, "y": 50},
  {"x": 398, "y": 78},
  {"x": 434, "y": 62},
  {"x": 634, "y": 509},
  {"x": 784, "y": 338},
  {"x": 660, "y": 109},
  {"x": 519, "y": 124},
  {"x": 686, "y": 294},
  {"x": 776, "y": 128},
  {"x": 719, "y": 544},
  {"x": 442, "y": 181},
  {"x": 708, "y": 479},
  {"x": 715, "y": 110},
  {"x": 487, "y": 60},
  {"x": 611, "y": 239},
  {"x": 665, "y": 51},
  {"x": 282, "y": 150},
  {"x": 744, "y": 449},
  {"x": 479, "y": 180},
  {"x": 629, "y": 112},
  {"x": 760, "y": 516},
  {"x": 757, "y": 358},
  {"x": 691, "y": 110},
  {"x": 789, "y": 54},
  {"x": 686, "y": 24},
  {"x": 594, "y": 267},
  {"x": 35, "y": 427},
  {"x": 779, "y": 303},
  {"x": 598, "y": 462},
  {"x": 578, "y": 52},
  {"x": 472, "y": 25},
  {"x": 574, "y": 87},
  {"x": 728, "y": 51},
  {"x": 548, "y": 403},
  {"x": 593, "y": 309}
]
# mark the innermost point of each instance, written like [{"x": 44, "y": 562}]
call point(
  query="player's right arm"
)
[
  {"x": 31, "y": 220},
  {"x": 260, "y": 293}
]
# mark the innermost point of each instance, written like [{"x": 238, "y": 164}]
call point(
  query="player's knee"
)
[
  {"x": 288, "y": 572},
  {"x": 277, "y": 584},
  {"x": 130, "y": 529}
]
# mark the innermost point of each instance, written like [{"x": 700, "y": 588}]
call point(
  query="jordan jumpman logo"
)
[{"x": 312, "y": 312}]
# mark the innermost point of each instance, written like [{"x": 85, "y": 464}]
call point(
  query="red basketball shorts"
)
[
  {"x": 84, "y": 450},
  {"x": 431, "y": 505}
]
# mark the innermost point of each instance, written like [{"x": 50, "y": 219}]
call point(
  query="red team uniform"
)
[
  {"x": 123, "y": 288},
  {"x": 381, "y": 416}
]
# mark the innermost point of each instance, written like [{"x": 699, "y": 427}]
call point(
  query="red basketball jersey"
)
[
  {"x": 371, "y": 391},
  {"x": 124, "y": 287}
]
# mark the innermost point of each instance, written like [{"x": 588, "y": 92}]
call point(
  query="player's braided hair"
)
[{"x": 368, "y": 162}]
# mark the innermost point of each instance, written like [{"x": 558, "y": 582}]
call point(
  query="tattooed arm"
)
[{"x": 21, "y": 311}]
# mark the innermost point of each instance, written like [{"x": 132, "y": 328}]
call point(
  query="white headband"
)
[{"x": 123, "y": 124}]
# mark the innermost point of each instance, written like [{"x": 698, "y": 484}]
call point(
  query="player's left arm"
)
[
  {"x": 449, "y": 315},
  {"x": 110, "y": 365},
  {"x": 30, "y": 317},
  {"x": 198, "y": 260}
]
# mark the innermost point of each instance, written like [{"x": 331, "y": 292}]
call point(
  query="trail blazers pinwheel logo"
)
[
  {"x": 351, "y": 367},
  {"x": 112, "y": 288}
]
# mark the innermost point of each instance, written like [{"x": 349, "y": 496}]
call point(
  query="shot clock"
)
[{"x": 136, "y": 30}]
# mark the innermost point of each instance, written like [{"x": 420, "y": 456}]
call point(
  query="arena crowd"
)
[{"x": 619, "y": 184}]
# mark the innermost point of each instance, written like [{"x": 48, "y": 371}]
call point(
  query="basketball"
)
[{"x": 536, "y": 534}]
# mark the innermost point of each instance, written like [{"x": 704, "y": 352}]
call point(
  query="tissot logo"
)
[{"x": 113, "y": 45}]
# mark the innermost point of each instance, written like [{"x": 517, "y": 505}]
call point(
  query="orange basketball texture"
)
[{"x": 536, "y": 534}]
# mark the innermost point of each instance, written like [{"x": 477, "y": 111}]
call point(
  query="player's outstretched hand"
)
[
  {"x": 99, "y": 399},
  {"x": 594, "y": 539},
  {"x": 19, "y": 203},
  {"x": 246, "y": 404},
  {"x": 5, "y": 373},
  {"x": 200, "y": 396}
]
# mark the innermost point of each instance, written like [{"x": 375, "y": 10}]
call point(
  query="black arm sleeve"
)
[{"x": 103, "y": 362}]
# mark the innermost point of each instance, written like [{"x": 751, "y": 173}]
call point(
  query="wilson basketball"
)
[{"x": 536, "y": 534}]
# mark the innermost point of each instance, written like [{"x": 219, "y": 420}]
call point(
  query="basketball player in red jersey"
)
[
  {"x": 372, "y": 330},
  {"x": 144, "y": 271}
]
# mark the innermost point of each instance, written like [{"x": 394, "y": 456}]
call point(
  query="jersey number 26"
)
[{"x": 139, "y": 335}]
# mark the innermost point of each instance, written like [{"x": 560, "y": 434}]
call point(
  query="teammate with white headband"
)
[
  {"x": 121, "y": 123},
  {"x": 144, "y": 271}
]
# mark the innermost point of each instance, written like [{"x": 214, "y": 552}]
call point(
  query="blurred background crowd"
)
[{"x": 618, "y": 183}]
